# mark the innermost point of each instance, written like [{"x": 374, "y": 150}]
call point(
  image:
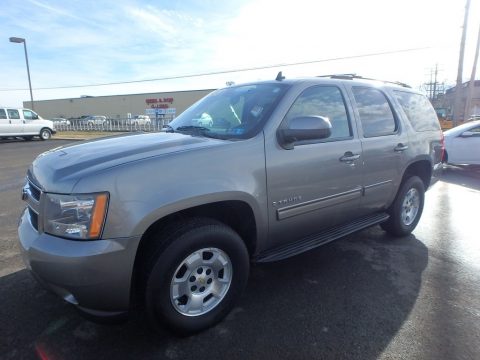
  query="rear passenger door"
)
[{"x": 384, "y": 145}]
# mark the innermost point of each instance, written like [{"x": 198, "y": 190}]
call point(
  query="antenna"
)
[{"x": 280, "y": 77}]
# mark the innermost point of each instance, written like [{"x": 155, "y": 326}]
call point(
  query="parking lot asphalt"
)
[{"x": 366, "y": 296}]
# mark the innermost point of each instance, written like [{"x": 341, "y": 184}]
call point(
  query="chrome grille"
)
[
  {"x": 34, "y": 190},
  {"x": 32, "y": 194}
]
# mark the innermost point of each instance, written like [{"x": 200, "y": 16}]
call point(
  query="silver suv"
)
[{"x": 173, "y": 220}]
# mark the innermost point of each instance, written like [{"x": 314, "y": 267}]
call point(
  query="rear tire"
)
[
  {"x": 406, "y": 210},
  {"x": 196, "y": 276},
  {"x": 45, "y": 134}
]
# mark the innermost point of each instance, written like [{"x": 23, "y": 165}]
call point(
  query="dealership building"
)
[{"x": 161, "y": 104}]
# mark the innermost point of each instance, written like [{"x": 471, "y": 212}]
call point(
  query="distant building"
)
[
  {"x": 160, "y": 104},
  {"x": 448, "y": 100}
]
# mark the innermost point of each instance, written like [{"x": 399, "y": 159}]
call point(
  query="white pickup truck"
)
[{"x": 25, "y": 123}]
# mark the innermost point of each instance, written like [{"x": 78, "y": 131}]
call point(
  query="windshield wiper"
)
[
  {"x": 168, "y": 129},
  {"x": 192, "y": 127},
  {"x": 200, "y": 130}
]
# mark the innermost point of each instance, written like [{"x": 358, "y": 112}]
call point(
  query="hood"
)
[{"x": 59, "y": 169}]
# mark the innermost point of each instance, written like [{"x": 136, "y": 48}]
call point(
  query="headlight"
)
[{"x": 75, "y": 216}]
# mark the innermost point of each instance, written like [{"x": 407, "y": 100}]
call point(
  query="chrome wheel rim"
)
[
  {"x": 45, "y": 134},
  {"x": 410, "y": 207},
  {"x": 201, "y": 281}
]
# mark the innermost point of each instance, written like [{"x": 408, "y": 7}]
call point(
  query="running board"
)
[{"x": 313, "y": 241}]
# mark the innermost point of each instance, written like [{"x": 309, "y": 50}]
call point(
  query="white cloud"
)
[{"x": 94, "y": 42}]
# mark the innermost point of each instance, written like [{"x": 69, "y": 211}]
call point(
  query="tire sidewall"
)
[
  {"x": 416, "y": 183},
  {"x": 45, "y": 134},
  {"x": 158, "y": 303}
]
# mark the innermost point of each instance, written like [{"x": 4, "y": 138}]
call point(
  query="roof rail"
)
[{"x": 355, "y": 76}]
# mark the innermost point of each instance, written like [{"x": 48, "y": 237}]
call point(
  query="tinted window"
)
[
  {"x": 13, "y": 114},
  {"x": 419, "y": 111},
  {"x": 326, "y": 101},
  {"x": 376, "y": 115},
  {"x": 3, "y": 114}
]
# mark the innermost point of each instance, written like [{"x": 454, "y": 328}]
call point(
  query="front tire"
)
[
  {"x": 406, "y": 210},
  {"x": 45, "y": 134},
  {"x": 196, "y": 280}
]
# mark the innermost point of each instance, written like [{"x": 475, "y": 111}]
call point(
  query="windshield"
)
[{"x": 234, "y": 112}]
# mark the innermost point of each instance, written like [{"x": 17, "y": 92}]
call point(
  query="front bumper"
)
[{"x": 95, "y": 276}]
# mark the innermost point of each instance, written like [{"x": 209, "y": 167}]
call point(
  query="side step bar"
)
[{"x": 313, "y": 241}]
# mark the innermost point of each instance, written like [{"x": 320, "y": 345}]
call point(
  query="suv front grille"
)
[
  {"x": 32, "y": 195},
  {"x": 34, "y": 190}
]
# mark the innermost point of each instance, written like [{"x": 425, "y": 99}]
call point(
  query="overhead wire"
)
[{"x": 175, "y": 77}]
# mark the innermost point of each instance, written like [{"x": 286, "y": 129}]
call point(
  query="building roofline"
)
[{"x": 105, "y": 96}]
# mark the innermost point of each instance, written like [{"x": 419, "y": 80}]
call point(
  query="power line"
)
[{"x": 226, "y": 71}]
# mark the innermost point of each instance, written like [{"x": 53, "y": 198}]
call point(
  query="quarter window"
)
[
  {"x": 326, "y": 101},
  {"x": 3, "y": 114},
  {"x": 419, "y": 111},
  {"x": 13, "y": 114},
  {"x": 375, "y": 112}
]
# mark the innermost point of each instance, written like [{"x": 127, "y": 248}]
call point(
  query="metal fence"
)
[{"x": 113, "y": 125}]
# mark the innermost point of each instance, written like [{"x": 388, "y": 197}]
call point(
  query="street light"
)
[{"x": 19, "y": 41}]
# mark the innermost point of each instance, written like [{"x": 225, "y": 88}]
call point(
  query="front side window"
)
[
  {"x": 13, "y": 114},
  {"x": 419, "y": 111},
  {"x": 29, "y": 115},
  {"x": 3, "y": 114},
  {"x": 375, "y": 112},
  {"x": 325, "y": 101},
  {"x": 234, "y": 112}
]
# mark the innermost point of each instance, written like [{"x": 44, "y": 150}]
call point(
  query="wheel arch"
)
[
  {"x": 420, "y": 167},
  {"x": 234, "y": 213}
]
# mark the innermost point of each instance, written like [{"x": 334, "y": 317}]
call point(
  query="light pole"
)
[{"x": 18, "y": 41}]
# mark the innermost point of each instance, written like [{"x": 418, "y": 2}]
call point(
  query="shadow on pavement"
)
[
  {"x": 467, "y": 176},
  {"x": 344, "y": 300}
]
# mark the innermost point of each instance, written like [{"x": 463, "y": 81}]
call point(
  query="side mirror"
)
[{"x": 304, "y": 128}]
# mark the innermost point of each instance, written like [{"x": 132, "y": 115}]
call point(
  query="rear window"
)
[
  {"x": 419, "y": 111},
  {"x": 3, "y": 114}
]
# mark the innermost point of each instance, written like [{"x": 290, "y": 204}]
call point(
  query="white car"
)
[
  {"x": 141, "y": 120},
  {"x": 462, "y": 144},
  {"x": 25, "y": 123},
  {"x": 61, "y": 121},
  {"x": 96, "y": 120}
]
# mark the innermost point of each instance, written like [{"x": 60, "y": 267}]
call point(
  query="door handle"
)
[
  {"x": 349, "y": 157},
  {"x": 400, "y": 147}
]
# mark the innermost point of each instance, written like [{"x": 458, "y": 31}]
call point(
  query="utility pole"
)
[
  {"x": 458, "y": 88},
  {"x": 471, "y": 84}
]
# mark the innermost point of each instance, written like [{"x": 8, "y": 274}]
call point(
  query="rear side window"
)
[
  {"x": 419, "y": 111},
  {"x": 13, "y": 114},
  {"x": 326, "y": 101},
  {"x": 3, "y": 114},
  {"x": 375, "y": 112}
]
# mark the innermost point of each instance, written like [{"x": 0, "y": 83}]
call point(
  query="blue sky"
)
[{"x": 81, "y": 42}]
